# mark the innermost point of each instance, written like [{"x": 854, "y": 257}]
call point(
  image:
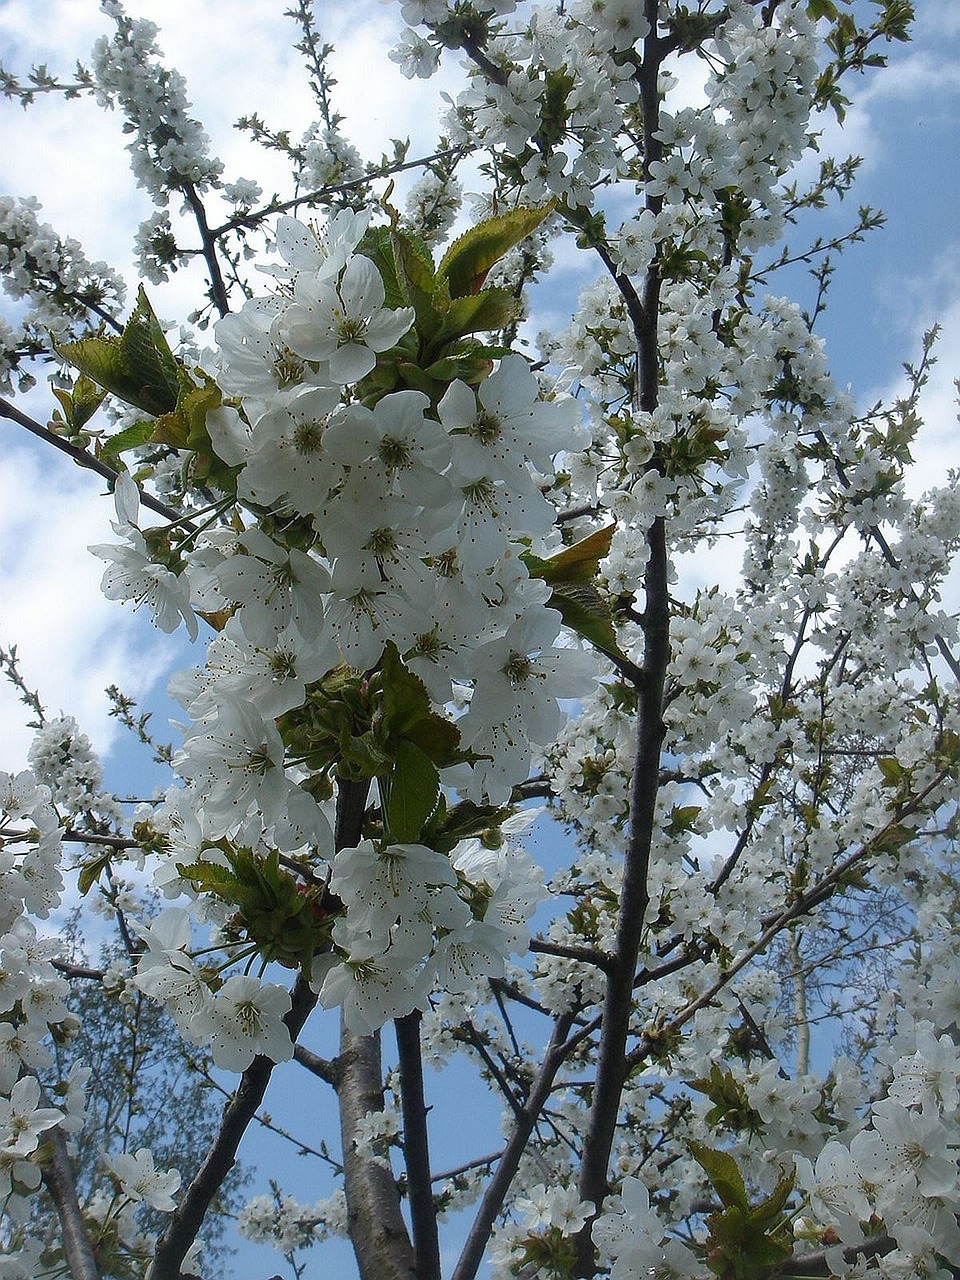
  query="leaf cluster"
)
[
  {"x": 288, "y": 921},
  {"x": 745, "y": 1241}
]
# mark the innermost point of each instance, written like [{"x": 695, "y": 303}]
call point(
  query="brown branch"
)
[
  {"x": 377, "y": 1231},
  {"x": 78, "y": 971},
  {"x": 58, "y": 1178},
  {"x": 634, "y": 894},
  {"x": 584, "y": 955},
  {"x": 322, "y": 1068},
  {"x": 323, "y": 193},
  {"x": 499, "y": 1185},
  {"x": 816, "y": 1264},
  {"x": 84, "y": 459},
  {"x": 208, "y": 239},
  {"x": 186, "y": 1221},
  {"x": 416, "y": 1152}
]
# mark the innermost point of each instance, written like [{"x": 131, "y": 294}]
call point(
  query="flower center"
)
[
  {"x": 308, "y": 437},
  {"x": 288, "y": 368},
  {"x": 485, "y": 428},
  {"x": 394, "y": 453}
]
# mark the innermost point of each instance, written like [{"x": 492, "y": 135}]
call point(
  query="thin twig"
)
[{"x": 84, "y": 459}]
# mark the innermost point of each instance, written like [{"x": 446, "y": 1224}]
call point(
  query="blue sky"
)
[{"x": 888, "y": 290}]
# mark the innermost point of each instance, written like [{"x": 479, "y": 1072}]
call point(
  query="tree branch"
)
[
  {"x": 84, "y": 459},
  {"x": 208, "y": 238},
  {"x": 320, "y": 1067},
  {"x": 492, "y": 1203},
  {"x": 634, "y": 894},
  {"x": 187, "y": 1219},
  {"x": 58, "y": 1178},
  {"x": 377, "y": 1231},
  {"x": 416, "y": 1152}
]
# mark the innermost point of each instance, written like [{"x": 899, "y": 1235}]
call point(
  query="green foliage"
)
[
  {"x": 461, "y": 821},
  {"x": 381, "y": 726},
  {"x": 287, "y": 921},
  {"x": 571, "y": 575},
  {"x": 448, "y": 311},
  {"x": 467, "y": 262},
  {"x": 731, "y": 1109},
  {"x": 79, "y": 402},
  {"x": 745, "y": 1241},
  {"x": 409, "y": 792},
  {"x": 138, "y": 366},
  {"x": 418, "y": 742}
]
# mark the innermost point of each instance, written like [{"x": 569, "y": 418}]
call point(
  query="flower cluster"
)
[
  {"x": 53, "y": 276},
  {"x": 171, "y": 149},
  {"x": 407, "y": 516},
  {"x": 31, "y": 991}
]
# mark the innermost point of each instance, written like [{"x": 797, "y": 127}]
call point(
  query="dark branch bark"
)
[
  {"x": 208, "y": 238},
  {"x": 634, "y": 895},
  {"x": 815, "y": 1264},
  {"x": 320, "y": 1067},
  {"x": 416, "y": 1151},
  {"x": 83, "y": 459},
  {"x": 377, "y": 1231},
  {"x": 185, "y": 1222},
  {"x": 500, "y": 1183},
  {"x": 59, "y": 1181}
]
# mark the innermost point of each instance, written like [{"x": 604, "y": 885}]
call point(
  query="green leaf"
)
[
  {"x": 468, "y": 260},
  {"x": 377, "y": 245},
  {"x": 419, "y": 284},
  {"x": 138, "y": 366},
  {"x": 471, "y": 367},
  {"x": 821, "y": 9},
  {"x": 410, "y": 791},
  {"x": 439, "y": 738},
  {"x": 449, "y": 826},
  {"x": 132, "y": 437},
  {"x": 478, "y": 313},
  {"x": 405, "y": 696},
  {"x": 419, "y": 379},
  {"x": 579, "y": 563},
  {"x": 90, "y": 873},
  {"x": 80, "y": 402},
  {"x": 215, "y": 879},
  {"x": 571, "y": 573},
  {"x": 721, "y": 1168},
  {"x": 185, "y": 426},
  {"x": 413, "y": 259},
  {"x": 769, "y": 1209},
  {"x": 584, "y": 610}
]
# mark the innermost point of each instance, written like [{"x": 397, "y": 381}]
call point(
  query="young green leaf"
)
[{"x": 467, "y": 262}]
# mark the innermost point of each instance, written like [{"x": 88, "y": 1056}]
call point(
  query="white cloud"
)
[{"x": 71, "y": 642}]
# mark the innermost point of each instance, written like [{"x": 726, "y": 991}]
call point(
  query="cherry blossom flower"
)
[
  {"x": 140, "y": 1181},
  {"x": 236, "y": 762},
  {"x": 344, "y": 324},
  {"x": 247, "y": 1020},
  {"x": 134, "y": 575}
]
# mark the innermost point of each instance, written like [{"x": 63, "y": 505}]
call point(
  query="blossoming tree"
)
[{"x": 406, "y": 544}]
